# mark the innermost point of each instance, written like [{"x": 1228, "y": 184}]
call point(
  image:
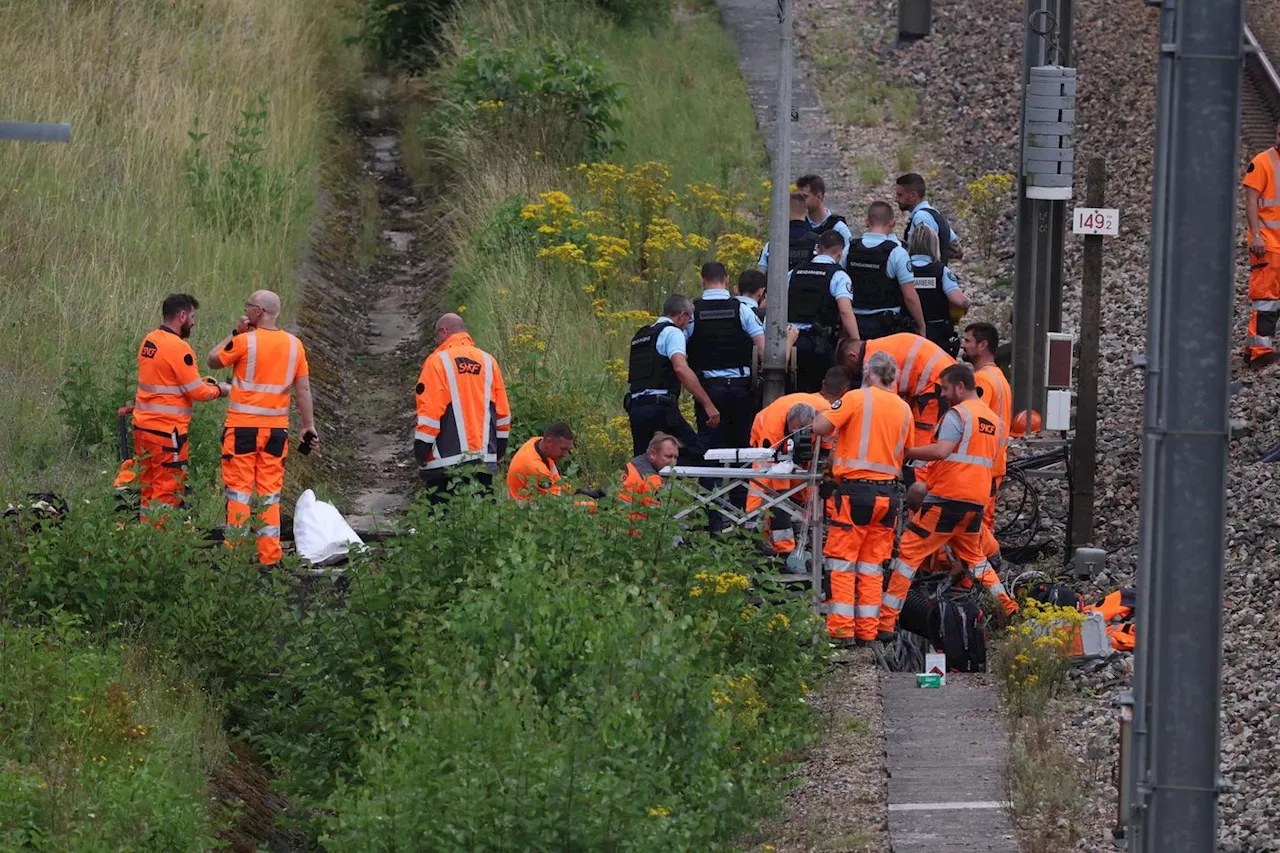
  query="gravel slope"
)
[{"x": 968, "y": 76}]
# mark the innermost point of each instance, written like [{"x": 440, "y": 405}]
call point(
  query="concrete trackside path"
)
[
  {"x": 945, "y": 753},
  {"x": 754, "y": 26}
]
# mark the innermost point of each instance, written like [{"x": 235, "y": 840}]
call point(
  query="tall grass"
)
[
  {"x": 686, "y": 107},
  {"x": 93, "y": 234}
]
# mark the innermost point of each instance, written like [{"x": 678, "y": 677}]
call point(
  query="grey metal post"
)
[
  {"x": 1084, "y": 453},
  {"x": 915, "y": 20},
  {"x": 1186, "y": 427},
  {"x": 775, "y": 337},
  {"x": 23, "y": 131},
  {"x": 1037, "y": 306}
]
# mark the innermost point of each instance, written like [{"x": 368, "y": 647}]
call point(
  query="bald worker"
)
[
  {"x": 267, "y": 364},
  {"x": 464, "y": 418}
]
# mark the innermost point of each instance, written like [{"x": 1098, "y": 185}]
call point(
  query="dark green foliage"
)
[{"x": 400, "y": 33}]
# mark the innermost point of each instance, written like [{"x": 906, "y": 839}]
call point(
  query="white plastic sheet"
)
[{"x": 321, "y": 534}]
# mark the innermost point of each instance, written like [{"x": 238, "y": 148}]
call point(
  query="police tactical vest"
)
[
  {"x": 647, "y": 370},
  {"x": 944, "y": 234},
  {"x": 873, "y": 288},
  {"x": 809, "y": 295},
  {"x": 719, "y": 341},
  {"x": 827, "y": 224},
  {"x": 800, "y": 249},
  {"x": 933, "y": 300}
]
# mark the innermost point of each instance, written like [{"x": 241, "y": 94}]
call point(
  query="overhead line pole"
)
[
  {"x": 1180, "y": 572},
  {"x": 775, "y": 338}
]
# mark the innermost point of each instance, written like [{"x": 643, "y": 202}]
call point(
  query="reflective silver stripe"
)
[
  {"x": 238, "y": 497},
  {"x": 842, "y": 609},
  {"x": 890, "y": 602},
  {"x": 1274, "y": 200},
  {"x": 258, "y": 387},
  {"x": 246, "y": 409},
  {"x": 869, "y": 568},
  {"x": 1268, "y": 223},
  {"x": 864, "y": 465},
  {"x": 503, "y": 433},
  {"x": 269, "y": 500},
  {"x": 905, "y": 377},
  {"x": 425, "y": 421},
  {"x": 503, "y": 422},
  {"x": 251, "y": 357},
  {"x": 419, "y": 435},
  {"x": 1257, "y": 305},
  {"x": 980, "y": 461},
  {"x": 997, "y": 588},
  {"x": 161, "y": 410},
  {"x": 831, "y": 564},
  {"x": 785, "y": 534},
  {"x": 473, "y": 456},
  {"x": 170, "y": 389},
  {"x": 864, "y": 441},
  {"x": 458, "y": 422},
  {"x": 903, "y": 569},
  {"x": 980, "y": 569},
  {"x": 269, "y": 532},
  {"x": 867, "y": 611},
  {"x": 293, "y": 362},
  {"x": 488, "y": 395},
  {"x": 1254, "y": 341},
  {"x": 928, "y": 370}
]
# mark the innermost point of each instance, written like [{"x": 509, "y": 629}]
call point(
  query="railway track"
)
[{"x": 1260, "y": 109}]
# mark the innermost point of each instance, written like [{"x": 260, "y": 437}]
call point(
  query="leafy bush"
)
[
  {"x": 985, "y": 203},
  {"x": 243, "y": 193},
  {"x": 400, "y": 32},
  {"x": 541, "y": 92},
  {"x": 100, "y": 750},
  {"x": 632, "y": 13},
  {"x": 89, "y": 401},
  {"x": 1034, "y": 657}
]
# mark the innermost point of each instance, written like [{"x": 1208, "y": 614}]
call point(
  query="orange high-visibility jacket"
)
[
  {"x": 463, "y": 414},
  {"x": 1263, "y": 175},
  {"x": 531, "y": 473},
  {"x": 874, "y": 429},
  {"x": 168, "y": 383},
  {"x": 770, "y": 423},
  {"x": 640, "y": 484},
  {"x": 265, "y": 363},
  {"x": 920, "y": 363},
  {"x": 998, "y": 397},
  {"x": 965, "y": 475}
]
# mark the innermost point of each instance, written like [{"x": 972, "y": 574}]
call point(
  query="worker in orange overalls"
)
[
  {"x": 959, "y": 484},
  {"x": 168, "y": 384},
  {"x": 642, "y": 478},
  {"x": 463, "y": 415},
  {"x": 267, "y": 364},
  {"x": 979, "y": 344},
  {"x": 920, "y": 365},
  {"x": 1262, "y": 209},
  {"x": 874, "y": 430},
  {"x": 533, "y": 467},
  {"x": 770, "y": 427}
]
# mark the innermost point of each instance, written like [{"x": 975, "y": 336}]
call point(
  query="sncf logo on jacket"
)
[
  {"x": 463, "y": 414},
  {"x": 468, "y": 366}
]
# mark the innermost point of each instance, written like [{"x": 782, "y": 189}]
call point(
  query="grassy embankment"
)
[
  {"x": 94, "y": 234},
  {"x": 560, "y": 323}
]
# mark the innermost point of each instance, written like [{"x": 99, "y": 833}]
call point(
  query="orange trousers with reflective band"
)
[
  {"x": 990, "y": 545},
  {"x": 957, "y": 524},
  {"x": 253, "y": 461},
  {"x": 161, "y": 465},
  {"x": 779, "y": 525},
  {"x": 861, "y": 518},
  {"x": 1264, "y": 304}
]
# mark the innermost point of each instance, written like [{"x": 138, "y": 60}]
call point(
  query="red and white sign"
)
[{"x": 1096, "y": 220}]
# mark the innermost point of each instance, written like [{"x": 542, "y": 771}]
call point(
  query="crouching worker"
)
[
  {"x": 875, "y": 431},
  {"x": 959, "y": 484},
  {"x": 642, "y": 479},
  {"x": 533, "y": 469}
]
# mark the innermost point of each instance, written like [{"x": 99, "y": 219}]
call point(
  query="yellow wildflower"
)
[{"x": 659, "y": 811}]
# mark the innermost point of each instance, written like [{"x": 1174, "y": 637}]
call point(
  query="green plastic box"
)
[{"x": 928, "y": 679}]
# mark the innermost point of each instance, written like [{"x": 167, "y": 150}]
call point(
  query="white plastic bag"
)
[{"x": 321, "y": 535}]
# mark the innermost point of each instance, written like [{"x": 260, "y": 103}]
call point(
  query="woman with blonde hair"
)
[{"x": 941, "y": 300}]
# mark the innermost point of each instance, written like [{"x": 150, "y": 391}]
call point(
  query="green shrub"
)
[
  {"x": 400, "y": 32},
  {"x": 100, "y": 750},
  {"x": 89, "y": 401},
  {"x": 543, "y": 93},
  {"x": 631, "y": 13}
]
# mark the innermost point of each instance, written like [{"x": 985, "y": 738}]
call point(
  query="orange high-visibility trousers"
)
[
  {"x": 990, "y": 545},
  {"x": 779, "y": 525},
  {"x": 1264, "y": 303},
  {"x": 161, "y": 465},
  {"x": 253, "y": 460},
  {"x": 954, "y": 523},
  {"x": 860, "y": 523}
]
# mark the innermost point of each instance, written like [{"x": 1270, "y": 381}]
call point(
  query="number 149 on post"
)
[{"x": 1096, "y": 220}]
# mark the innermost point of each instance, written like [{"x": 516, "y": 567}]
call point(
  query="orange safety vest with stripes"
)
[
  {"x": 920, "y": 363},
  {"x": 874, "y": 430},
  {"x": 1263, "y": 176},
  {"x": 640, "y": 484},
  {"x": 531, "y": 473},
  {"x": 168, "y": 383},
  {"x": 463, "y": 413},
  {"x": 998, "y": 397},
  {"x": 265, "y": 363},
  {"x": 770, "y": 423},
  {"x": 1120, "y": 628},
  {"x": 965, "y": 475}
]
